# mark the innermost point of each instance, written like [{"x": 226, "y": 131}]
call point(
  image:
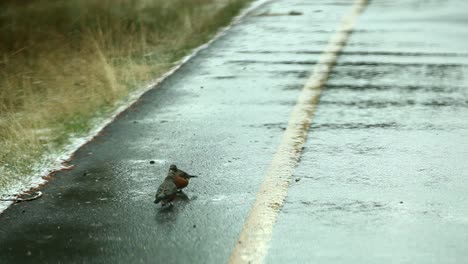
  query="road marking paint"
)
[{"x": 255, "y": 236}]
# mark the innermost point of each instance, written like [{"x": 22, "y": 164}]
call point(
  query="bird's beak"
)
[{"x": 193, "y": 176}]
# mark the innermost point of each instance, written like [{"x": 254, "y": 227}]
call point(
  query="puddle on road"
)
[
  {"x": 373, "y": 72},
  {"x": 289, "y": 73},
  {"x": 292, "y": 62},
  {"x": 281, "y": 126},
  {"x": 293, "y": 87},
  {"x": 432, "y": 66},
  {"x": 225, "y": 77},
  {"x": 400, "y": 88},
  {"x": 353, "y": 206},
  {"x": 446, "y": 102},
  {"x": 404, "y": 54},
  {"x": 332, "y": 126},
  {"x": 312, "y": 52},
  {"x": 290, "y": 13},
  {"x": 343, "y": 213},
  {"x": 366, "y": 104}
]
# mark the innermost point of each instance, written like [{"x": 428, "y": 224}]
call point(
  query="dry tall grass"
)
[{"x": 63, "y": 63}]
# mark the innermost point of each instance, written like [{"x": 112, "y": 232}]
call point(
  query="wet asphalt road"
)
[{"x": 383, "y": 177}]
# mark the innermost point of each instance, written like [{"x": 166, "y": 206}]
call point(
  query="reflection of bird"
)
[{"x": 175, "y": 180}]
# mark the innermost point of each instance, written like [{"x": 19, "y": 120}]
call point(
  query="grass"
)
[{"x": 66, "y": 63}]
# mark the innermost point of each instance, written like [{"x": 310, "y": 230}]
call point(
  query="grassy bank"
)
[{"x": 64, "y": 63}]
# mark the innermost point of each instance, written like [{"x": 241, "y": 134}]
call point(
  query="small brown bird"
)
[
  {"x": 181, "y": 178},
  {"x": 175, "y": 180}
]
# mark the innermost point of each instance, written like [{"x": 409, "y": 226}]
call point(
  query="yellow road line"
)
[{"x": 256, "y": 234}]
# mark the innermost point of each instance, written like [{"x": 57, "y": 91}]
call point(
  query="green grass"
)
[{"x": 66, "y": 63}]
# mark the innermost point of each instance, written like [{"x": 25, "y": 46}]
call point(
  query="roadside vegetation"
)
[{"x": 65, "y": 63}]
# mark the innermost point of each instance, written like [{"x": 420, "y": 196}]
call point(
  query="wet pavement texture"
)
[
  {"x": 221, "y": 117},
  {"x": 384, "y": 175}
]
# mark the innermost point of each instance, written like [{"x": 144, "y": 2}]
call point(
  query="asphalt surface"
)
[
  {"x": 220, "y": 117},
  {"x": 383, "y": 176}
]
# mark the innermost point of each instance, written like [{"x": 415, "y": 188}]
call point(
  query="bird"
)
[
  {"x": 181, "y": 178},
  {"x": 166, "y": 192},
  {"x": 175, "y": 181}
]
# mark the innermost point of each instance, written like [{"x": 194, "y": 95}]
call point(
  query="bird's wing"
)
[
  {"x": 166, "y": 189},
  {"x": 183, "y": 174}
]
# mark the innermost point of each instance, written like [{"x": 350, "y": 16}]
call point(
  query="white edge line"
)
[
  {"x": 59, "y": 159},
  {"x": 255, "y": 236}
]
